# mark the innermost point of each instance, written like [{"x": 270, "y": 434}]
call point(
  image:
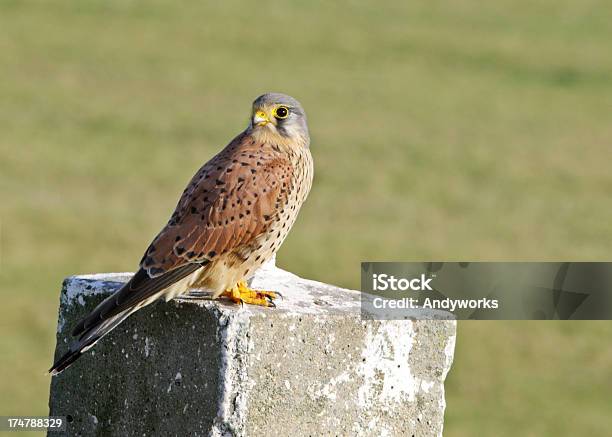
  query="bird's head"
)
[{"x": 281, "y": 116}]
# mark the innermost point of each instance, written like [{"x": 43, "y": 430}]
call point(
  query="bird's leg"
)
[{"x": 241, "y": 293}]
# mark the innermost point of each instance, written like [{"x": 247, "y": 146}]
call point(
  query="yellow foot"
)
[{"x": 241, "y": 293}]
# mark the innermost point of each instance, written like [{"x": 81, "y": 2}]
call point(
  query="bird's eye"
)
[{"x": 281, "y": 112}]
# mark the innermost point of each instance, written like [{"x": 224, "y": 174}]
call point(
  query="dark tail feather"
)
[
  {"x": 64, "y": 362},
  {"x": 140, "y": 288},
  {"x": 87, "y": 340},
  {"x": 136, "y": 293}
]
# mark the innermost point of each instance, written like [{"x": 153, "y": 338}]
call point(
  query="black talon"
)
[{"x": 279, "y": 294}]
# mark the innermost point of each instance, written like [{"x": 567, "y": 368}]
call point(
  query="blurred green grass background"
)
[{"x": 459, "y": 130}]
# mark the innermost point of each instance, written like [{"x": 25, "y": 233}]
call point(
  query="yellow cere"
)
[{"x": 261, "y": 118}]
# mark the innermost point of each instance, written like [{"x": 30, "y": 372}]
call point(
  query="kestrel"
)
[{"x": 232, "y": 217}]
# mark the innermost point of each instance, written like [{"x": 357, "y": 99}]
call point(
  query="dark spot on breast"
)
[
  {"x": 179, "y": 250},
  {"x": 178, "y": 238},
  {"x": 219, "y": 182},
  {"x": 148, "y": 261},
  {"x": 212, "y": 254},
  {"x": 194, "y": 210},
  {"x": 191, "y": 254}
]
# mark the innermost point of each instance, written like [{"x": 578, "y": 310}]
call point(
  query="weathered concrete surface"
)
[{"x": 311, "y": 366}]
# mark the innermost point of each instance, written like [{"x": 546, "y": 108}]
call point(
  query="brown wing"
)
[{"x": 228, "y": 203}]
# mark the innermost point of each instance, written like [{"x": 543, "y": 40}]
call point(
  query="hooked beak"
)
[{"x": 260, "y": 119}]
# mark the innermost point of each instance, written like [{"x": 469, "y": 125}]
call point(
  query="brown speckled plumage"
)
[
  {"x": 232, "y": 217},
  {"x": 235, "y": 212}
]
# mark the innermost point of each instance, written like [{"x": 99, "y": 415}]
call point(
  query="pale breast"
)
[{"x": 269, "y": 243}]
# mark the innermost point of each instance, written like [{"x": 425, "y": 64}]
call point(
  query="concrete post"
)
[{"x": 311, "y": 366}]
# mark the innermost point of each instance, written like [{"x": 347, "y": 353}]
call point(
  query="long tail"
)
[
  {"x": 87, "y": 341},
  {"x": 139, "y": 292}
]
